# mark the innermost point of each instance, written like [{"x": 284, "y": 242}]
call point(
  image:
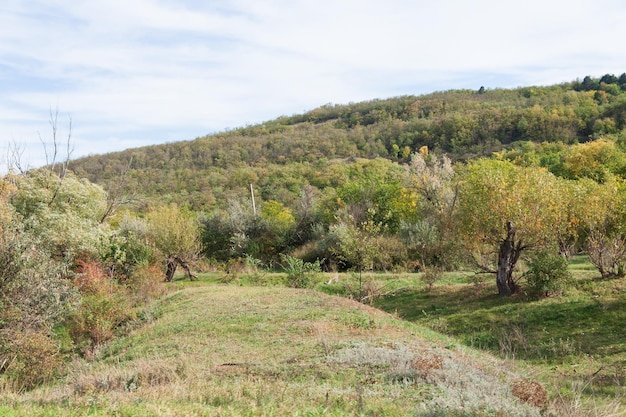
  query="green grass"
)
[
  {"x": 246, "y": 345},
  {"x": 577, "y": 339},
  {"x": 216, "y": 349}
]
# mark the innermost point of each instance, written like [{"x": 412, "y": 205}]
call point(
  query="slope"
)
[
  {"x": 464, "y": 124},
  {"x": 229, "y": 350}
]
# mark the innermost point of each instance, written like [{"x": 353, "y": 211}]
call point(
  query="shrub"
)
[
  {"x": 29, "y": 358},
  {"x": 391, "y": 254},
  {"x": 146, "y": 283},
  {"x": 105, "y": 305},
  {"x": 547, "y": 273},
  {"x": 127, "y": 252},
  {"x": 431, "y": 275},
  {"x": 90, "y": 279},
  {"x": 35, "y": 295},
  {"x": 300, "y": 274},
  {"x": 97, "y": 318}
]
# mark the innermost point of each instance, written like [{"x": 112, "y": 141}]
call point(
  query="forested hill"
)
[{"x": 282, "y": 155}]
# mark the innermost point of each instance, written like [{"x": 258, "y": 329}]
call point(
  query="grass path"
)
[{"x": 231, "y": 350}]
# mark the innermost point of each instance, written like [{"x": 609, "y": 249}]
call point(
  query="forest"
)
[{"x": 510, "y": 183}]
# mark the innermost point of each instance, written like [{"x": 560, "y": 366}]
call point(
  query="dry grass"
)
[
  {"x": 530, "y": 392},
  {"x": 226, "y": 350}
]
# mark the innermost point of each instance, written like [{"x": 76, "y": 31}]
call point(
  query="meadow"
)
[{"x": 245, "y": 344}]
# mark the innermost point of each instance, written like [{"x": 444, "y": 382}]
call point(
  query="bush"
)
[
  {"x": 300, "y": 274},
  {"x": 431, "y": 275},
  {"x": 29, "y": 358},
  {"x": 146, "y": 284},
  {"x": 126, "y": 253},
  {"x": 105, "y": 305},
  {"x": 98, "y": 317},
  {"x": 547, "y": 273},
  {"x": 391, "y": 254},
  {"x": 90, "y": 279}
]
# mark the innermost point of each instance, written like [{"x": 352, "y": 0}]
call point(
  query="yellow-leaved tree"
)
[
  {"x": 175, "y": 235},
  {"x": 602, "y": 223},
  {"x": 504, "y": 210}
]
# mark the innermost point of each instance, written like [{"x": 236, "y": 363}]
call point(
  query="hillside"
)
[
  {"x": 282, "y": 155},
  {"x": 230, "y": 350},
  {"x": 367, "y": 189}
]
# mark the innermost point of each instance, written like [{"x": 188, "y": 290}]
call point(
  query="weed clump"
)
[
  {"x": 530, "y": 392},
  {"x": 29, "y": 359}
]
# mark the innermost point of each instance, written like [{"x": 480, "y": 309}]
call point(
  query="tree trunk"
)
[
  {"x": 171, "y": 269},
  {"x": 507, "y": 258},
  {"x": 172, "y": 264},
  {"x": 185, "y": 266}
]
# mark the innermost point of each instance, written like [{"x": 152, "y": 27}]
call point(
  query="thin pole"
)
[{"x": 253, "y": 203}]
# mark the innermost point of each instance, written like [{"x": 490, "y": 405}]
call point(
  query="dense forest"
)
[{"x": 478, "y": 180}]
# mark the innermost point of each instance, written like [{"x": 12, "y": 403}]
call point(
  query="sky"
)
[{"x": 125, "y": 74}]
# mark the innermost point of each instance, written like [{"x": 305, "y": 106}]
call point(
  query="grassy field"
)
[
  {"x": 575, "y": 343},
  {"x": 245, "y": 345},
  {"x": 216, "y": 349}
]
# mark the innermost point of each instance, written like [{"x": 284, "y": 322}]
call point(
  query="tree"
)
[
  {"x": 373, "y": 192},
  {"x": 64, "y": 214},
  {"x": 431, "y": 178},
  {"x": 115, "y": 196},
  {"x": 505, "y": 210},
  {"x": 35, "y": 290},
  {"x": 595, "y": 160},
  {"x": 273, "y": 230},
  {"x": 603, "y": 223},
  {"x": 356, "y": 244},
  {"x": 589, "y": 83},
  {"x": 174, "y": 234},
  {"x": 609, "y": 79}
]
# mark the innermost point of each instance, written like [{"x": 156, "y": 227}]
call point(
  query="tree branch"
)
[{"x": 114, "y": 195}]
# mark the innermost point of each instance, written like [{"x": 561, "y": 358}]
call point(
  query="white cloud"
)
[{"x": 148, "y": 71}]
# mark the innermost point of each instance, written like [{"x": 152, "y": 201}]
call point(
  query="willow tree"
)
[
  {"x": 174, "y": 233},
  {"x": 602, "y": 220},
  {"x": 505, "y": 210},
  {"x": 63, "y": 213}
]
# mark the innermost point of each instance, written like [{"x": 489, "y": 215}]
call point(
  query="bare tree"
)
[
  {"x": 53, "y": 154},
  {"x": 14, "y": 157},
  {"x": 115, "y": 196}
]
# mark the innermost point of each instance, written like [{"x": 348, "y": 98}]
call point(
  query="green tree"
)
[
  {"x": 273, "y": 230},
  {"x": 174, "y": 233},
  {"x": 505, "y": 210},
  {"x": 602, "y": 219},
  {"x": 431, "y": 178},
  {"x": 356, "y": 245},
  {"x": 373, "y": 192},
  {"x": 596, "y": 160},
  {"x": 64, "y": 215}
]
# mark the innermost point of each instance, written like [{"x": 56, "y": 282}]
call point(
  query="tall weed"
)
[{"x": 300, "y": 274}]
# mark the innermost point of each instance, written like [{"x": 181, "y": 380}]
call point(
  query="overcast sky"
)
[{"x": 131, "y": 73}]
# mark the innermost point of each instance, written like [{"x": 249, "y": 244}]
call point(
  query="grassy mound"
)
[{"x": 230, "y": 350}]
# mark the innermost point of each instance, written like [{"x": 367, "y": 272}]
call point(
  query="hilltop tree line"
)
[
  {"x": 480, "y": 180},
  {"x": 282, "y": 154}
]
